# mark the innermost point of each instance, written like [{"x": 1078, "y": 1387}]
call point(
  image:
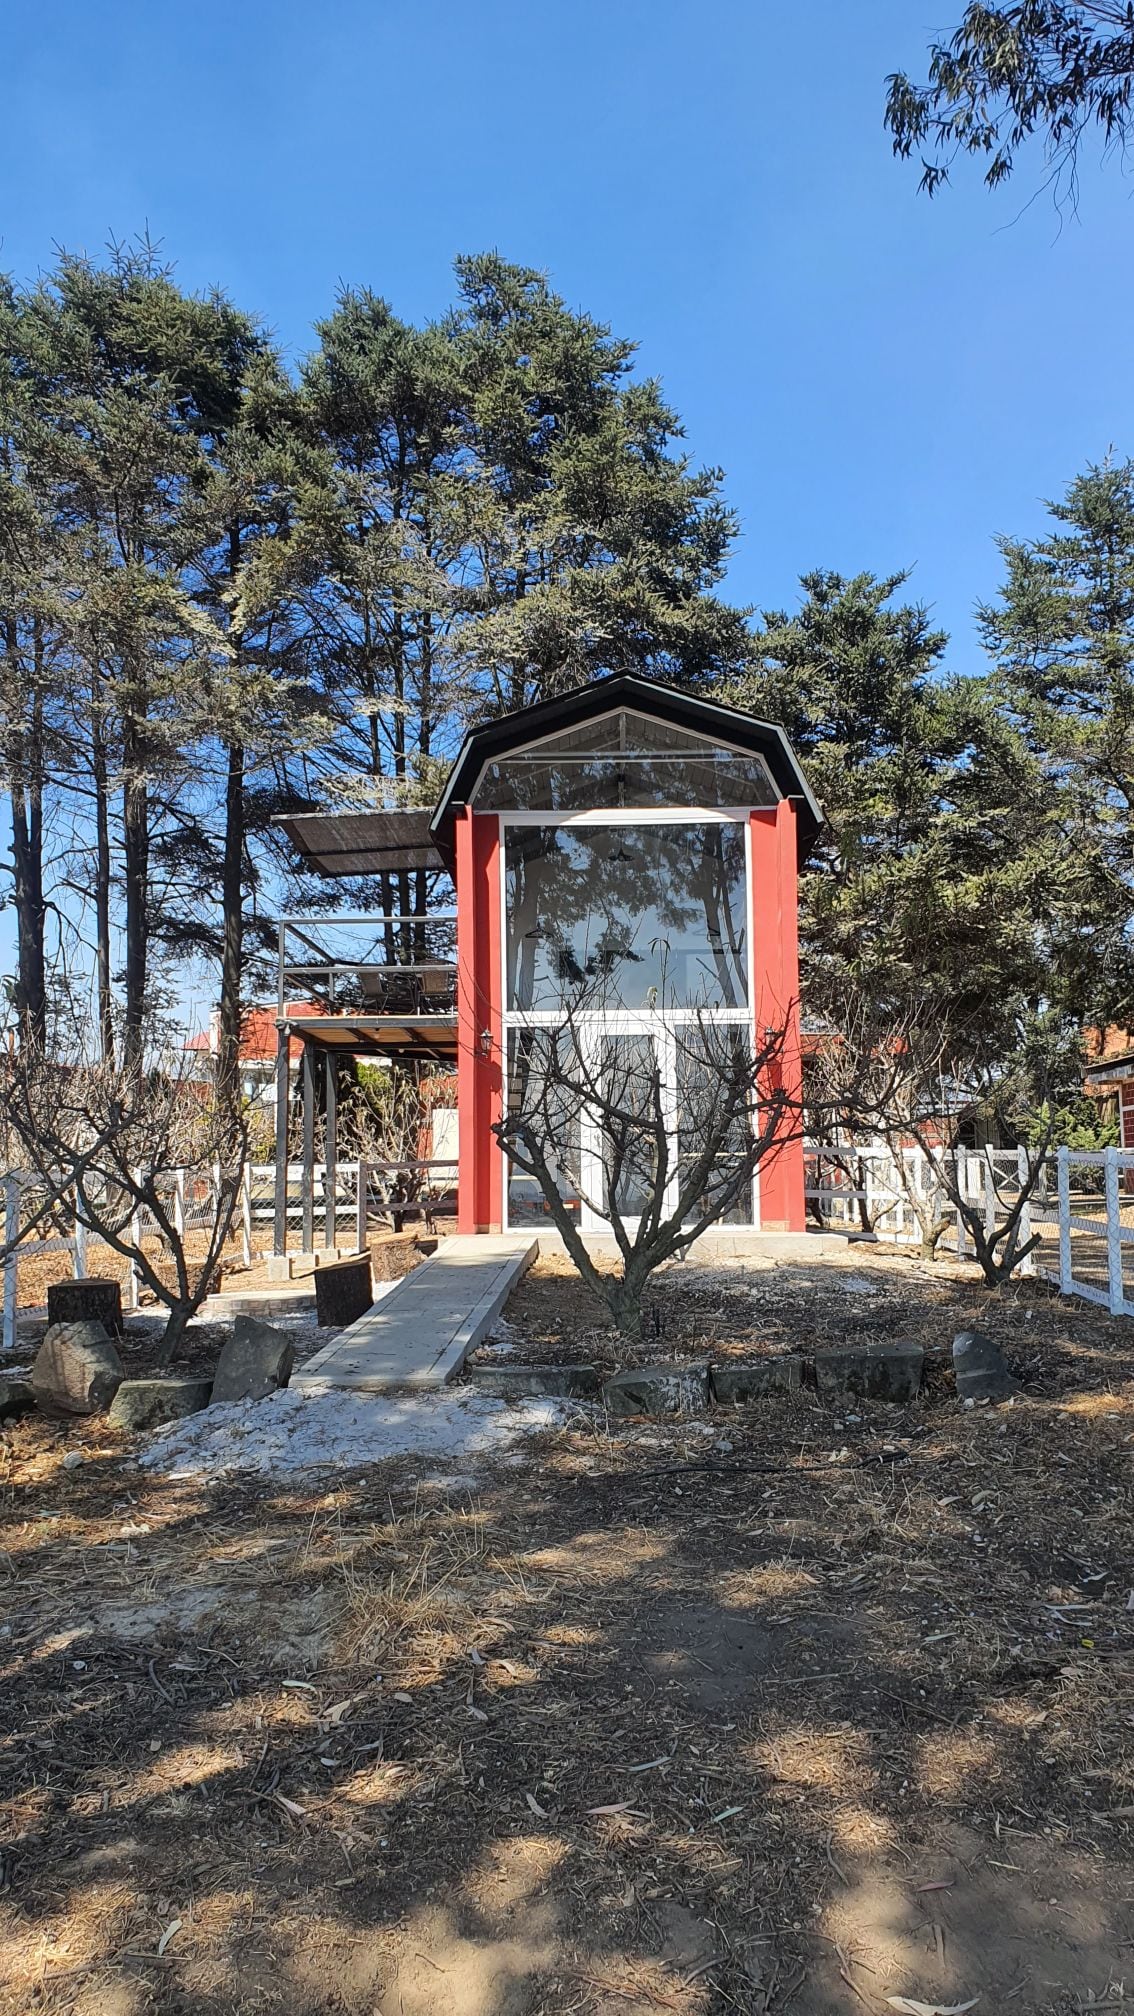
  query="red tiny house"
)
[
  {"x": 623, "y": 861},
  {"x": 515, "y": 766}
]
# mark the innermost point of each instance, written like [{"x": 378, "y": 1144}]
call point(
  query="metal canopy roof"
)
[
  {"x": 363, "y": 843},
  {"x": 415, "y": 1038},
  {"x": 708, "y": 718}
]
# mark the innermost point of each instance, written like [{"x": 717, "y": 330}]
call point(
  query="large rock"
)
[
  {"x": 870, "y": 1372},
  {"x": 16, "y": 1397},
  {"x": 89, "y": 1299},
  {"x": 979, "y": 1365},
  {"x": 760, "y": 1380},
  {"x": 681, "y": 1388},
  {"x": 516, "y": 1382},
  {"x": 144, "y": 1403},
  {"x": 77, "y": 1368},
  {"x": 343, "y": 1292},
  {"x": 256, "y": 1361}
]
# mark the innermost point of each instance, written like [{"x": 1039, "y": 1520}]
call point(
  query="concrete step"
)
[{"x": 269, "y": 1304}]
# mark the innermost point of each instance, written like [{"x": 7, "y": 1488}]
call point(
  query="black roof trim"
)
[{"x": 493, "y": 739}]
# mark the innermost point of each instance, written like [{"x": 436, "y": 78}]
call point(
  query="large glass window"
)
[
  {"x": 625, "y": 761},
  {"x": 708, "y": 1061},
  {"x": 631, "y": 916}
]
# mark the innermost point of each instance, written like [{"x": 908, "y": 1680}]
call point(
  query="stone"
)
[
  {"x": 508, "y": 1382},
  {"x": 979, "y": 1365},
  {"x": 77, "y": 1368},
  {"x": 89, "y": 1299},
  {"x": 343, "y": 1292},
  {"x": 256, "y": 1361},
  {"x": 144, "y": 1403},
  {"x": 72, "y": 1459},
  {"x": 16, "y": 1397},
  {"x": 681, "y": 1388},
  {"x": 870, "y": 1371},
  {"x": 756, "y": 1381}
]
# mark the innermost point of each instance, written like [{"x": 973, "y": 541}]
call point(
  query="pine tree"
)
[
  {"x": 598, "y": 546},
  {"x": 1061, "y": 636},
  {"x": 927, "y": 882}
]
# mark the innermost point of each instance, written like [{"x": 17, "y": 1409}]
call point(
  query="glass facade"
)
[
  {"x": 627, "y": 946},
  {"x": 641, "y": 916},
  {"x": 624, "y": 762}
]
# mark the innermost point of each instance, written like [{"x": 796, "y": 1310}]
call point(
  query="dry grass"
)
[{"x": 830, "y": 1713}]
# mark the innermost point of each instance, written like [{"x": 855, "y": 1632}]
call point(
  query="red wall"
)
[
  {"x": 775, "y": 958},
  {"x": 480, "y": 1074}
]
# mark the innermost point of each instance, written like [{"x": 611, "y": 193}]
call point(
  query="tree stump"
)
[
  {"x": 343, "y": 1292},
  {"x": 90, "y": 1299}
]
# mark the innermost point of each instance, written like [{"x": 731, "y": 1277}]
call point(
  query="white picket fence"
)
[
  {"x": 1082, "y": 1208},
  {"x": 362, "y": 1191}
]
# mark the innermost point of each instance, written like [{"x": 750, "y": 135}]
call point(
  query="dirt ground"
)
[
  {"x": 751, "y": 1308},
  {"x": 392, "y": 1254},
  {"x": 787, "y": 1709}
]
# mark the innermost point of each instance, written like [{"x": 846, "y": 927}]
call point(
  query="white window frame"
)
[{"x": 658, "y": 1024}]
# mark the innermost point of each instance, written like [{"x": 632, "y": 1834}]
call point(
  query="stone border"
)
[{"x": 890, "y": 1372}]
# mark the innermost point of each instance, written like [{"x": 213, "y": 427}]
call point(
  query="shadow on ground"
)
[{"x": 785, "y": 1711}]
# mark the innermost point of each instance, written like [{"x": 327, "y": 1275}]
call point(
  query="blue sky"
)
[{"x": 884, "y": 381}]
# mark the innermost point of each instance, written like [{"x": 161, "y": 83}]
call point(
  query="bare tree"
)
[
  {"x": 133, "y": 1153},
  {"x": 594, "y": 1119},
  {"x": 911, "y": 1081}
]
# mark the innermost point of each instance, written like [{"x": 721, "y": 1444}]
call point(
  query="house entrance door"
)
[
  {"x": 659, "y": 1097},
  {"x": 630, "y": 1135}
]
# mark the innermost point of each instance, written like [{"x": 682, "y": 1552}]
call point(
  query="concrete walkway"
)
[{"x": 422, "y": 1330}]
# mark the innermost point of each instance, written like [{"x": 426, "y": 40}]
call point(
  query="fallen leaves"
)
[{"x": 910, "y": 2006}]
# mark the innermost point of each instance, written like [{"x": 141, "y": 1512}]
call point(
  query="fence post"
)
[
  {"x": 246, "y": 1211},
  {"x": 1028, "y": 1264},
  {"x": 179, "y": 1203},
  {"x": 1113, "y": 1235},
  {"x": 362, "y": 1226},
  {"x": 11, "y": 1262},
  {"x": 989, "y": 1195},
  {"x": 79, "y": 1262},
  {"x": 1066, "y": 1278}
]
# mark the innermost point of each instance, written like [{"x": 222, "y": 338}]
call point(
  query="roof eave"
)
[{"x": 495, "y": 737}]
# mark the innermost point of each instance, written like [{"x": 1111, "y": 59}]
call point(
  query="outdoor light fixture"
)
[{"x": 486, "y": 1042}]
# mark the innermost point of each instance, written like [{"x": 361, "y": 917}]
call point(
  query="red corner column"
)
[
  {"x": 480, "y": 1023},
  {"x": 775, "y": 960}
]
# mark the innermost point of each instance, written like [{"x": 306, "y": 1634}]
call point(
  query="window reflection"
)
[
  {"x": 545, "y": 1083},
  {"x": 624, "y": 760},
  {"x": 654, "y": 916}
]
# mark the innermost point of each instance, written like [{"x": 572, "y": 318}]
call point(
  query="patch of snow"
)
[
  {"x": 855, "y": 1284},
  {"x": 291, "y": 1431},
  {"x": 502, "y": 1338}
]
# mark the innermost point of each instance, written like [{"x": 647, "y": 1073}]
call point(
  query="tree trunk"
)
[
  {"x": 232, "y": 950},
  {"x": 136, "y": 845},
  {"x": 27, "y": 860},
  {"x": 102, "y": 888},
  {"x": 624, "y": 1300},
  {"x": 25, "y": 783},
  {"x": 232, "y": 888}
]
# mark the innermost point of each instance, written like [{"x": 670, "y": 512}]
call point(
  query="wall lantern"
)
[{"x": 486, "y": 1042}]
